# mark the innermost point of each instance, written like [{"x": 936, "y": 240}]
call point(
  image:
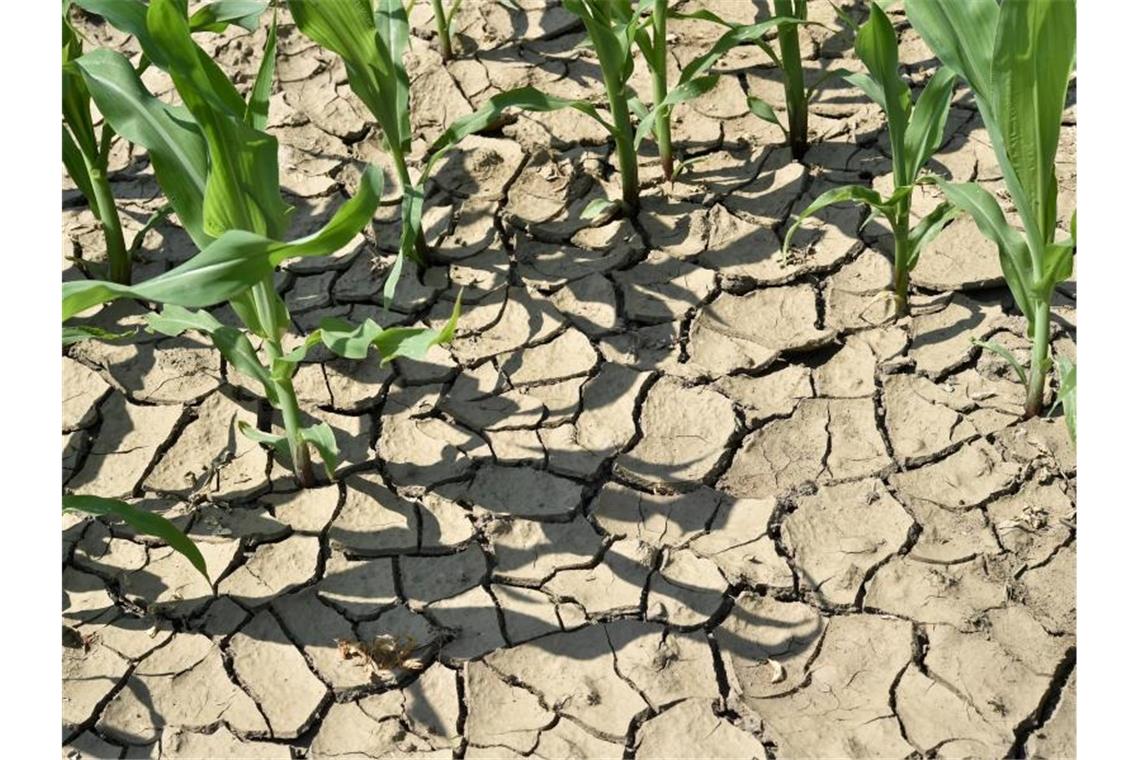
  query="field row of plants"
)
[{"x": 217, "y": 165}]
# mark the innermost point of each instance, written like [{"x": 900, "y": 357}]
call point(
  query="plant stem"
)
[
  {"x": 419, "y": 251},
  {"x": 661, "y": 87},
  {"x": 623, "y": 137},
  {"x": 286, "y": 396},
  {"x": 441, "y": 30},
  {"x": 1041, "y": 363},
  {"x": 118, "y": 261},
  {"x": 901, "y": 230},
  {"x": 794, "y": 96}
]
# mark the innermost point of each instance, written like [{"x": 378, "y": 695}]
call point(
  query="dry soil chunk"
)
[
  {"x": 590, "y": 692},
  {"x": 656, "y": 519},
  {"x": 523, "y": 492},
  {"x": 189, "y": 745},
  {"x": 928, "y": 593},
  {"x": 691, "y": 729},
  {"x": 373, "y": 520},
  {"x": 738, "y": 542},
  {"x": 358, "y": 588},
  {"x": 429, "y": 579},
  {"x": 184, "y": 684},
  {"x": 938, "y": 719},
  {"x": 663, "y": 289},
  {"x": 840, "y": 532},
  {"x": 845, "y": 711},
  {"x": 751, "y": 331},
  {"x": 276, "y": 675},
  {"x": 824, "y": 439},
  {"x": 529, "y": 552},
  {"x": 125, "y": 446},
  {"x": 921, "y": 419},
  {"x": 687, "y": 589},
  {"x": 82, "y": 388},
  {"x": 89, "y": 675},
  {"x": 665, "y": 665},
  {"x": 1058, "y": 737},
  {"x": 685, "y": 433},
  {"x": 774, "y": 394},
  {"x": 500, "y": 714},
  {"x": 212, "y": 455},
  {"x": 613, "y": 586},
  {"x": 273, "y": 569},
  {"x": 965, "y": 479},
  {"x": 940, "y": 340}
]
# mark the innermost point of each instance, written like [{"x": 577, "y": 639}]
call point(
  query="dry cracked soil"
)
[{"x": 663, "y": 496}]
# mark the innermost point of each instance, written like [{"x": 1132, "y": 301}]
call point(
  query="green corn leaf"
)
[
  {"x": 525, "y": 98},
  {"x": 77, "y": 168},
  {"x": 597, "y": 207},
  {"x": 234, "y": 262},
  {"x": 858, "y": 193},
  {"x": 1033, "y": 55},
  {"x": 231, "y": 264},
  {"x": 279, "y": 443},
  {"x": 962, "y": 35},
  {"x": 128, "y": 16},
  {"x": 257, "y": 107},
  {"x": 348, "y": 28},
  {"x": 928, "y": 121},
  {"x": 736, "y": 35},
  {"x": 174, "y": 144},
  {"x": 242, "y": 187},
  {"x": 928, "y": 229},
  {"x": 233, "y": 344},
  {"x": 871, "y": 88},
  {"x": 215, "y": 16},
  {"x": 1005, "y": 354},
  {"x": 142, "y": 521},
  {"x": 1058, "y": 268},
  {"x": 391, "y": 343},
  {"x": 392, "y": 26},
  {"x": 76, "y": 333},
  {"x": 765, "y": 111},
  {"x": 1013, "y": 252},
  {"x": 323, "y": 440},
  {"x": 175, "y": 320},
  {"x": 1067, "y": 394},
  {"x": 877, "y": 46},
  {"x": 690, "y": 89}
]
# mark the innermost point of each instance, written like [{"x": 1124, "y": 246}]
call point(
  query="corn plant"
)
[
  {"x": 915, "y": 131},
  {"x": 787, "y": 17},
  {"x": 443, "y": 19},
  {"x": 218, "y": 169},
  {"x": 1017, "y": 58},
  {"x": 651, "y": 38},
  {"x": 146, "y": 523},
  {"x": 86, "y": 149}
]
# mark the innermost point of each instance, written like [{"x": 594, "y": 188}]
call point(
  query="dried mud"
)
[{"x": 663, "y": 496}]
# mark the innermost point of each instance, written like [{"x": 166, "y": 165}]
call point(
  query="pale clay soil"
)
[{"x": 662, "y": 496}]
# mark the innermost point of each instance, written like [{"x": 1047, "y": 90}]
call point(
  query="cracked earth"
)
[{"x": 663, "y": 496}]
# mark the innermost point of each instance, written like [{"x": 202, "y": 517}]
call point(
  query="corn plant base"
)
[{"x": 595, "y": 472}]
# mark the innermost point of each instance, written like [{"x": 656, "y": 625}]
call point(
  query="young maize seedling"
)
[
  {"x": 218, "y": 170},
  {"x": 85, "y": 156},
  {"x": 1017, "y": 58},
  {"x": 788, "y": 16},
  {"x": 142, "y": 521},
  {"x": 915, "y": 133},
  {"x": 85, "y": 153},
  {"x": 443, "y": 21},
  {"x": 613, "y": 28},
  {"x": 652, "y": 39}
]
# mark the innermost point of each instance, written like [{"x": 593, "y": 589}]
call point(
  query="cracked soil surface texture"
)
[{"x": 663, "y": 496}]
